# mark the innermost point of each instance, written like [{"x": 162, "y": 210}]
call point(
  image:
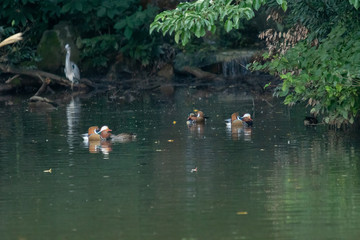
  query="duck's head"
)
[
  {"x": 105, "y": 129},
  {"x": 105, "y": 132},
  {"x": 191, "y": 115},
  {"x": 246, "y": 117}
]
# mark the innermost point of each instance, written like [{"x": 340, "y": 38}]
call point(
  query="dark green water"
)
[{"x": 281, "y": 180}]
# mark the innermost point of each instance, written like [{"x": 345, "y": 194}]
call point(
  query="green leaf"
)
[
  {"x": 177, "y": 36},
  {"x": 213, "y": 29},
  {"x": 267, "y": 85},
  {"x": 128, "y": 32},
  {"x": 185, "y": 38},
  {"x": 101, "y": 12},
  {"x": 357, "y": 4},
  {"x": 228, "y": 25},
  {"x": 78, "y": 6},
  {"x": 121, "y": 24},
  {"x": 257, "y": 4},
  {"x": 66, "y": 8},
  {"x": 198, "y": 29},
  {"x": 111, "y": 13}
]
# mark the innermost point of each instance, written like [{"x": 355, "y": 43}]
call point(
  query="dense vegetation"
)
[
  {"x": 315, "y": 50},
  {"x": 106, "y": 27}
]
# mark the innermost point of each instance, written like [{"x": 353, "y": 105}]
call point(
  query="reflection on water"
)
[
  {"x": 104, "y": 147},
  {"x": 239, "y": 133},
  {"x": 276, "y": 180},
  {"x": 73, "y": 110}
]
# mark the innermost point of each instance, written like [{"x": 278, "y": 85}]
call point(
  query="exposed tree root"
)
[
  {"x": 197, "y": 72},
  {"x": 84, "y": 83}
]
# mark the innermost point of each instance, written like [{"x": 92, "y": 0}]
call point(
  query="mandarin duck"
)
[
  {"x": 94, "y": 134},
  {"x": 122, "y": 137},
  {"x": 199, "y": 118},
  {"x": 237, "y": 121}
]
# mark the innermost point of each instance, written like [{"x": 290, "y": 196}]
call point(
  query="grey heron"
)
[{"x": 71, "y": 69}]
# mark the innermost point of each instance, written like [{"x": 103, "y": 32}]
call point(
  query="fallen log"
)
[
  {"x": 37, "y": 103},
  {"x": 198, "y": 73},
  {"x": 43, "y": 87},
  {"x": 41, "y": 74}
]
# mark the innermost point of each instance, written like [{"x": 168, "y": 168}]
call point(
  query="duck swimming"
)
[
  {"x": 199, "y": 118},
  {"x": 104, "y": 134},
  {"x": 123, "y": 137},
  {"x": 94, "y": 134},
  {"x": 237, "y": 121}
]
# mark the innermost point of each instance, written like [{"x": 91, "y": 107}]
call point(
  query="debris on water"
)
[
  {"x": 194, "y": 170},
  {"x": 242, "y": 213}
]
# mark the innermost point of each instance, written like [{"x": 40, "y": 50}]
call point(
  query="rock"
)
[
  {"x": 51, "y": 48},
  {"x": 230, "y": 63},
  {"x": 167, "y": 90},
  {"x": 37, "y": 103},
  {"x": 167, "y": 71},
  {"x": 48, "y": 50}
]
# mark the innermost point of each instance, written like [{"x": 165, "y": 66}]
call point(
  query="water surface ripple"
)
[{"x": 278, "y": 180}]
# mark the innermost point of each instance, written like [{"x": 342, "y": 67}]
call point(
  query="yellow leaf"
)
[{"x": 242, "y": 213}]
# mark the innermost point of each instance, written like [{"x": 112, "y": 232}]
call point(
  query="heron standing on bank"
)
[{"x": 71, "y": 69}]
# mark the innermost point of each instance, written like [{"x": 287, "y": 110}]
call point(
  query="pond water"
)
[{"x": 277, "y": 180}]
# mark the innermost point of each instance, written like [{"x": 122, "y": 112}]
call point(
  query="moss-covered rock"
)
[
  {"x": 51, "y": 48},
  {"x": 49, "y": 51}
]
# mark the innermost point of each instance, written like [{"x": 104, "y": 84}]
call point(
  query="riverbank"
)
[{"x": 128, "y": 90}]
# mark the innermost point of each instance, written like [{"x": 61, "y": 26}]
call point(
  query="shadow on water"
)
[{"x": 276, "y": 180}]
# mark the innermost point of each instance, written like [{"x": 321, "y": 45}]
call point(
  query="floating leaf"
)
[{"x": 242, "y": 213}]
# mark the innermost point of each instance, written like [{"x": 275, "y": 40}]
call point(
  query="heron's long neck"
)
[{"x": 67, "y": 60}]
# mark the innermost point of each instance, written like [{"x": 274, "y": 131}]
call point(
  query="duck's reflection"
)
[
  {"x": 238, "y": 133},
  {"x": 197, "y": 129},
  {"x": 247, "y": 133},
  {"x": 100, "y": 146},
  {"x": 100, "y": 140}
]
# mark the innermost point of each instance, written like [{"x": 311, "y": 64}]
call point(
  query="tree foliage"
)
[
  {"x": 323, "y": 70},
  {"x": 106, "y": 27},
  {"x": 319, "y": 66},
  {"x": 201, "y": 16},
  {"x": 324, "y": 77}
]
